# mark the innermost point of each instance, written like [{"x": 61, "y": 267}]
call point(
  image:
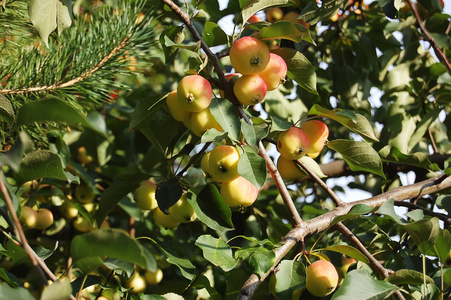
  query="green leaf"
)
[
  {"x": 355, "y": 122},
  {"x": 349, "y": 251},
  {"x": 254, "y": 133},
  {"x": 41, "y": 164},
  {"x": 13, "y": 157},
  {"x": 10, "y": 278},
  {"x": 216, "y": 251},
  {"x": 252, "y": 167},
  {"x": 358, "y": 284},
  {"x": 360, "y": 156},
  {"x": 388, "y": 209},
  {"x": 442, "y": 246},
  {"x": 312, "y": 165},
  {"x": 424, "y": 233},
  {"x": 48, "y": 15},
  {"x": 355, "y": 211},
  {"x": 299, "y": 68},
  {"x": 190, "y": 47},
  {"x": 283, "y": 30},
  {"x": 259, "y": 259},
  {"x": 405, "y": 276},
  {"x": 110, "y": 242},
  {"x": 145, "y": 110},
  {"x": 7, "y": 293},
  {"x": 253, "y": 6},
  {"x": 210, "y": 209},
  {"x": 173, "y": 33},
  {"x": 394, "y": 155},
  {"x": 327, "y": 10},
  {"x": 226, "y": 115},
  {"x": 6, "y": 111},
  {"x": 58, "y": 290},
  {"x": 213, "y": 35},
  {"x": 290, "y": 277},
  {"x": 279, "y": 125}
]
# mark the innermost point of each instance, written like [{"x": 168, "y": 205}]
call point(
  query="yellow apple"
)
[
  {"x": 321, "y": 278},
  {"x": 44, "y": 218},
  {"x": 153, "y": 277},
  {"x": 205, "y": 163},
  {"x": 194, "y": 93},
  {"x": 274, "y": 14},
  {"x": 202, "y": 121},
  {"x": 275, "y": 72},
  {"x": 83, "y": 194},
  {"x": 317, "y": 133},
  {"x": 28, "y": 217},
  {"x": 293, "y": 143},
  {"x": 250, "y": 89},
  {"x": 223, "y": 163},
  {"x": 145, "y": 195},
  {"x": 288, "y": 169},
  {"x": 177, "y": 111},
  {"x": 137, "y": 283},
  {"x": 239, "y": 192},
  {"x": 346, "y": 262},
  {"x": 249, "y": 55},
  {"x": 182, "y": 211},
  {"x": 81, "y": 224},
  {"x": 68, "y": 210},
  {"x": 167, "y": 221},
  {"x": 83, "y": 156}
]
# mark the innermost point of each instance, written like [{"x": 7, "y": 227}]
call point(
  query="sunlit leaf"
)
[
  {"x": 7, "y": 292},
  {"x": 405, "y": 276},
  {"x": 348, "y": 251},
  {"x": 290, "y": 277},
  {"x": 6, "y": 110},
  {"x": 259, "y": 259},
  {"x": 253, "y": 6},
  {"x": 252, "y": 167},
  {"x": 217, "y": 252},
  {"x": 226, "y": 115},
  {"x": 213, "y": 35},
  {"x": 58, "y": 290}
]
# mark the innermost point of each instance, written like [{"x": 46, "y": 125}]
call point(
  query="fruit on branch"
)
[
  {"x": 137, "y": 283},
  {"x": 275, "y": 72},
  {"x": 250, "y": 89},
  {"x": 254, "y": 19},
  {"x": 205, "y": 163},
  {"x": 145, "y": 195},
  {"x": 321, "y": 278},
  {"x": 293, "y": 143},
  {"x": 346, "y": 262},
  {"x": 289, "y": 170},
  {"x": 28, "y": 218},
  {"x": 83, "y": 193},
  {"x": 165, "y": 220},
  {"x": 83, "y": 156},
  {"x": 82, "y": 224},
  {"x": 68, "y": 210},
  {"x": 239, "y": 192},
  {"x": 153, "y": 277},
  {"x": 249, "y": 55},
  {"x": 182, "y": 211},
  {"x": 317, "y": 133},
  {"x": 202, "y": 121},
  {"x": 223, "y": 163},
  {"x": 274, "y": 14},
  {"x": 44, "y": 218},
  {"x": 177, "y": 111},
  {"x": 292, "y": 17},
  {"x": 194, "y": 93},
  {"x": 231, "y": 79}
]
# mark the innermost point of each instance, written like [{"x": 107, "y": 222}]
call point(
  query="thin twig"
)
[{"x": 444, "y": 217}]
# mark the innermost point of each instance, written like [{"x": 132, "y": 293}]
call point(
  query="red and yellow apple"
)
[
  {"x": 317, "y": 133},
  {"x": 275, "y": 72},
  {"x": 293, "y": 143},
  {"x": 321, "y": 278},
  {"x": 203, "y": 120},
  {"x": 194, "y": 93},
  {"x": 223, "y": 163},
  {"x": 288, "y": 169},
  {"x": 231, "y": 79},
  {"x": 254, "y": 19},
  {"x": 250, "y": 89},
  {"x": 292, "y": 17},
  {"x": 239, "y": 192},
  {"x": 177, "y": 111},
  {"x": 346, "y": 262},
  {"x": 249, "y": 55},
  {"x": 182, "y": 211},
  {"x": 145, "y": 195}
]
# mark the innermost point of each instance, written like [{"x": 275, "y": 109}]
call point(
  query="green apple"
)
[
  {"x": 202, "y": 121},
  {"x": 275, "y": 72},
  {"x": 293, "y": 143},
  {"x": 68, "y": 210},
  {"x": 317, "y": 133},
  {"x": 145, "y": 195},
  {"x": 223, "y": 163},
  {"x": 194, "y": 93},
  {"x": 81, "y": 224},
  {"x": 249, "y": 55},
  {"x": 177, "y": 111},
  {"x": 321, "y": 278},
  {"x": 182, "y": 211},
  {"x": 239, "y": 192},
  {"x": 288, "y": 170},
  {"x": 250, "y": 89},
  {"x": 274, "y": 14},
  {"x": 83, "y": 194},
  {"x": 44, "y": 218},
  {"x": 167, "y": 221},
  {"x": 28, "y": 217},
  {"x": 153, "y": 277}
]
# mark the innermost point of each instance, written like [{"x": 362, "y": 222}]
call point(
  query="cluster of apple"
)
[
  {"x": 180, "y": 212},
  {"x": 296, "y": 142},
  {"x": 221, "y": 164}
]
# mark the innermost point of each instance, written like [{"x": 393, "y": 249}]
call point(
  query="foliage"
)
[{"x": 84, "y": 116}]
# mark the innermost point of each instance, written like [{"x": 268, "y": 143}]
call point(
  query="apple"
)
[
  {"x": 136, "y": 283},
  {"x": 83, "y": 194},
  {"x": 317, "y": 133},
  {"x": 167, "y": 221},
  {"x": 231, "y": 79},
  {"x": 250, "y": 89},
  {"x": 205, "y": 163},
  {"x": 194, "y": 93},
  {"x": 153, "y": 277},
  {"x": 177, "y": 111},
  {"x": 68, "y": 210},
  {"x": 83, "y": 157},
  {"x": 254, "y": 19},
  {"x": 182, "y": 211},
  {"x": 223, "y": 163},
  {"x": 321, "y": 278},
  {"x": 274, "y": 14},
  {"x": 275, "y": 72},
  {"x": 81, "y": 224},
  {"x": 293, "y": 143},
  {"x": 44, "y": 218},
  {"x": 346, "y": 262},
  {"x": 249, "y": 55},
  {"x": 292, "y": 17},
  {"x": 145, "y": 195},
  {"x": 239, "y": 192},
  {"x": 202, "y": 121},
  {"x": 28, "y": 218},
  {"x": 289, "y": 170}
]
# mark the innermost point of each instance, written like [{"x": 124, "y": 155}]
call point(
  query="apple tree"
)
[{"x": 264, "y": 149}]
